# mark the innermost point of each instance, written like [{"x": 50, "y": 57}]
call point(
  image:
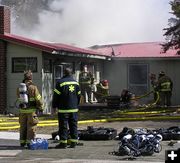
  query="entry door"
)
[{"x": 58, "y": 73}]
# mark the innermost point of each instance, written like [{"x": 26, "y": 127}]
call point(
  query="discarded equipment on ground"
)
[
  {"x": 138, "y": 142},
  {"x": 136, "y": 145},
  {"x": 38, "y": 143},
  {"x": 99, "y": 133},
  {"x": 171, "y": 133},
  {"x": 92, "y": 133}
]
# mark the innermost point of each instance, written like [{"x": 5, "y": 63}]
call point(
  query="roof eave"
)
[
  {"x": 45, "y": 48},
  {"x": 83, "y": 55}
]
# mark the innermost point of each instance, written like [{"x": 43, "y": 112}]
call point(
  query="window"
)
[
  {"x": 47, "y": 65},
  {"x": 138, "y": 78},
  {"x": 24, "y": 63}
]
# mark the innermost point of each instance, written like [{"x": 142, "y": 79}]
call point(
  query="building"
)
[
  {"x": 123, "y": 65},
  {"x": 46, "y": 60},
  {"x": 132, "y": 63}
]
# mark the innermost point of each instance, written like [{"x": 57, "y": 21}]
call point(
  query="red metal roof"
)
[
  {"x": 134, "y": 50},
  {"x": 130, "y": 50},
  {"x": 45, "y": 46}
]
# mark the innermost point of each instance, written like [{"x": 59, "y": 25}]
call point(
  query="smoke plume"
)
[{"x": 88, "y": 22}]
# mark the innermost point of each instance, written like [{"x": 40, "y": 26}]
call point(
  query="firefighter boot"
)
[
  {"x": 61, "y": 146},
  {"x": 22, "y": 144},
  {"x": 73, "y": 145}
]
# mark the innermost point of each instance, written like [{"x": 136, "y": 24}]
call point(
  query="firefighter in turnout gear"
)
[
  {"x": 102, "y": 91},
  {"x": 164, "y": 86},
  {"x": 153, "y": 84},
  {"x": 66, "y": 99},
  {"x": 85, "y": 81},
  {"x": 28, "y": 106}
]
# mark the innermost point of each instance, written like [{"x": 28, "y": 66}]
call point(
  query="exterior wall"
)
[
  {"x": 4, "y": 28},
  {"x": 116, "y": 72},
  {"x": 3, "y": 76},
  {"x": 13, "y": 79},
  {"x": 171, "y": 68}
]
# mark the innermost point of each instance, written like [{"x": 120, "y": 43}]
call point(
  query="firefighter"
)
[
  {"x": 102, "y": 91},
  {"x": 153, "y": 84},
  {"x": 125, "y": 98},
  {"x": 164, "y": 87},
  {"x": 66, "y": 99},
  {"x": 28, "y": 119},
  {"x": 85, "y": 81}
]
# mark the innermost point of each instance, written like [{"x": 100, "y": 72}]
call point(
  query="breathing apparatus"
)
[{"x": 23, "y": 95}]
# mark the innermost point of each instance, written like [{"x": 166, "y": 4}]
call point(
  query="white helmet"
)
[
  {"x": 128, "y": 136},
  {"x": 159, "y": 137}
]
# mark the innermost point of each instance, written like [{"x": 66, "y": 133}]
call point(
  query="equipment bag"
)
[
  {"x": 92, "y": 133},
  {"x": 100, "y": 133},
  {"x": 38, "y": 143},
  {"x": 171, "y": 133}
]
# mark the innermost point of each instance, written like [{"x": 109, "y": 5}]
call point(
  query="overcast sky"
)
[{"x": 89, "y": 22}]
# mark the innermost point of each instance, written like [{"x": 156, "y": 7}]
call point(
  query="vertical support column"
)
[{"x": 4, "y": 28}]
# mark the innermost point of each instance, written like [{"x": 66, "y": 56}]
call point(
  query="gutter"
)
[{"x": 83, "y": 55}]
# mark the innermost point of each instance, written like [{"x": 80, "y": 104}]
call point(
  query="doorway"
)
[
  {"x": 59, "y": 70},
  {"x": 58, "y": 73}
]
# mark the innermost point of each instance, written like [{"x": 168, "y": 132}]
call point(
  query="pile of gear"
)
[
  {"x": 171, "y": 133},
  {"x": 93, "y": 133},
  {"x": 99, "y": 133},
  {"x": 138, "y": 142},
  {"x": 132, "y": 142}
]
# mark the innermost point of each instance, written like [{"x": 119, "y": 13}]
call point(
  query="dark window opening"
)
[
  {"x": 47, "y": 65},
  {"x": 22, "y": 64},
  {"x": 138, "y": 78}
]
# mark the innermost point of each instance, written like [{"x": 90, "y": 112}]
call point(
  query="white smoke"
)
[{"x": 88, "y": 22}]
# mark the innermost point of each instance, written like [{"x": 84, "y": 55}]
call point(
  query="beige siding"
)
[
  {"x": 171, "y": 67},
  {"x": 116, "y": 72},
  {"x": 13, "y": 79}
]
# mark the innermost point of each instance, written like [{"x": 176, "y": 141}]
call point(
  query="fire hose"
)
[
  {"x": 142, "y": 96},
  {"x": 150, "y": 104}
]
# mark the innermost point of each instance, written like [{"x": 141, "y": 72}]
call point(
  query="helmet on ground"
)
[
  {"x": 159, "y": 137},
  {"x": 28, "y": 75},
  {"x": 127, "y": 137}
]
